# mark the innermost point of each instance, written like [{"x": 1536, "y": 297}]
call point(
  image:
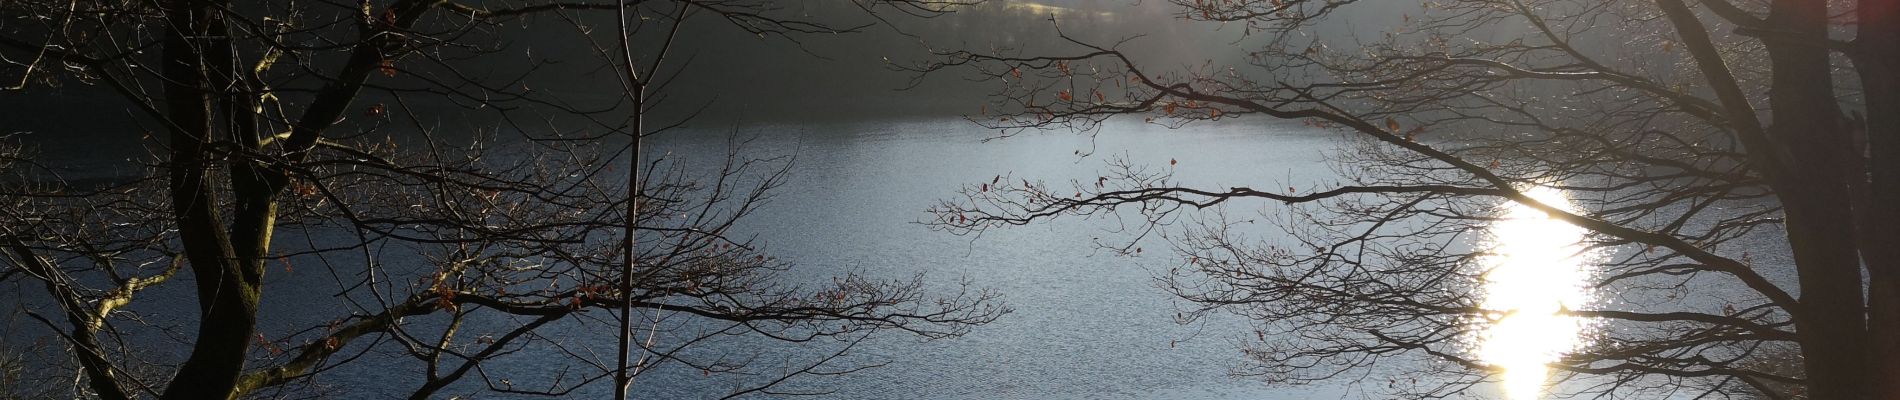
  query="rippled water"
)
[
  {"x": 1539, "y": 269},
  {"x": 1087, "y": 324}
]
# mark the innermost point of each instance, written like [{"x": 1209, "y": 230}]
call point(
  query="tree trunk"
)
[
  {"x": 1816, "y": 196},
  {"x": 1877, "y": 46},
  {"x": 228, "y": 287}
]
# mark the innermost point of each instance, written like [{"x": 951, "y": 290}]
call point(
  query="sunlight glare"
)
[{"x": 1537, "y": 270}]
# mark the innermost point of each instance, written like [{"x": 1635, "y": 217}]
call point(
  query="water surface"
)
[{"x": 1087, "y": 324}]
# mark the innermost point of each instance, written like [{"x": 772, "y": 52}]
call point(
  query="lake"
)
[{"x": 1087, "y": 324}]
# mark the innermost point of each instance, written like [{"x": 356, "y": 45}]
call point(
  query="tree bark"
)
[
  {"x": 1816, "y": 198},
  {"x": 229, "y": 264},
  {"x": 1877, "y": 58},
  {"x": 227, "y": 290}
]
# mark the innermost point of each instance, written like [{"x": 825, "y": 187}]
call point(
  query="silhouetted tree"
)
[
  {"x": 1677, "y": 127},
  {"x": 342, "y": 123}
]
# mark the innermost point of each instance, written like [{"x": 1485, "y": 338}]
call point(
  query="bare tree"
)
[
  {"x": 1677, "y": 127},
  {"x": 332, "y": 127}
]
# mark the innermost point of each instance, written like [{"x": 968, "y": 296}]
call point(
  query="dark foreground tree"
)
[
  {"x": 399, "y": 148},
  {"x": 1699, "y": 140}
]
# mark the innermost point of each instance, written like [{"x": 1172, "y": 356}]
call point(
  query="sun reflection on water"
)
[{"x": 1537, "y": 269}]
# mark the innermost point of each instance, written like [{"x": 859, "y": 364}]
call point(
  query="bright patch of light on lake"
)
[{"x": 1536, "y": 271}]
